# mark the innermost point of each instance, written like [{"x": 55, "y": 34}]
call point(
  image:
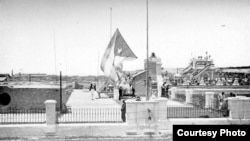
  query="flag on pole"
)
[{"x": 116, "y": 52}]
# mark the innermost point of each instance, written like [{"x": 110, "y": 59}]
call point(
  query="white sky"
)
[{"x": 177, "y": 30}]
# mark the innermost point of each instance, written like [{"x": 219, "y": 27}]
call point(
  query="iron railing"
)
[
  {"x": 90, "y": 115},
  {"x": 16, "y": 116},
  {"x": 192, "y": 111},
  {"x": 196, "y": 109}
]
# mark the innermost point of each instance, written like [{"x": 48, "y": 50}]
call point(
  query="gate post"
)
[
  {"x": 162, "y": 108},
  {"x": 50, "y": 112},
  {"x": 209, "y": 97},
  {"x": 189, "y": 93},
  {"x": 173, "y": 92}
]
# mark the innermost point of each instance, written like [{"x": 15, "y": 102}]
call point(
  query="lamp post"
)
[
  {"x": 61, "y": 105},
  {"x": 60, "y": 91},
  {"x": 147, "y": 75}
]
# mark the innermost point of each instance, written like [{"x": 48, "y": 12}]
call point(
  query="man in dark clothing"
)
[
  {"x": 123, "y": 110},
  {"x": 163, "y": 89},
  {"x": 133, "y": 92},
  {"x": 167, "y": 88},
  {"x": 224, "y": 108},
  {"x": 120, "y": 93}
]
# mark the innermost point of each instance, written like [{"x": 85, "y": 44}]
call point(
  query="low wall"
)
[
  {"x": 65, "y": 130},
  {"x": 168, "y": 124},
  {"x": 32, "y": 97},
  {"x": 102, "y": 130}
]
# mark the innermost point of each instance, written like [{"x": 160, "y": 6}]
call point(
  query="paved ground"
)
[{"x": 82, "y": 99}]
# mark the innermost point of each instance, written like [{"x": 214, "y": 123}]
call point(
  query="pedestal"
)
[
  {"x": 235, "y": 106},
  {"x": 142, "y": 116},
  {"x": 189, "y": 93},
  {"x": 173, "y": 92},
  {"x": 50, "y": 112},
  {"x": 210, "y": 103},
  {"x": 162, "y": 106}
]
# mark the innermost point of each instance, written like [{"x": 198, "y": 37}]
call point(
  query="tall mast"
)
[
  {"x": 110, "y": 22},
  {"x": 55, "y": 51},
  {"x": 98, "y": 69},
  {"x": 147, "y": 75}
]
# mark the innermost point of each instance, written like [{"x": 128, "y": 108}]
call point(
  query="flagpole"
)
[
  {"x": 98, "y": 70},
  {"x": 110, "y": 22},
  {"x": 55, "y": 51},
  {"x": 147, "y": 75}
]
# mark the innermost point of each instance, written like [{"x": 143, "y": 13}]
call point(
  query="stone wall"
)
[{"x": 32, "y": 98}]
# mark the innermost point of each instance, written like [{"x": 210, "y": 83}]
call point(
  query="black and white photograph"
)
[{"x": 124, "y": 70}]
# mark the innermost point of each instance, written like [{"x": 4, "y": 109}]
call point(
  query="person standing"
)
[
  {"x": 167, "y": 88},
  {"x": 123, "y": 110},
  {"x": 95, "y": 92},
  {"x": 120, "y": 92},
  {"x": 133, "y": 91},
  {"x": 163, "y": 89},
  {"x": 221, "y": 99},
  {"x": 91, "y": 89},
  {"x": 224, "y": 108}
]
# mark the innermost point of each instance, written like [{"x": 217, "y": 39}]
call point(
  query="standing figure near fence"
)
[
  {"x": 221, "y": 99},
  {"x": 91, "y": 89},
  {"x": 120, "y": 92},
  {"x": 123, "y": 110},
  {"x": 224, "y": 108},
  {"x": 163, "y": 89},
  {"x": 167, "y": 88},
  {"x": 133, "y": 92},
  {"x": 95, "y": 92}
]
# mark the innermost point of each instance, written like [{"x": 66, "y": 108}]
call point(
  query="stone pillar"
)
[
  {"x": 159, "y": 84},
  {"x": 246, "y": 105},
  {"x": 189, "y": 93},
  {"x": 173, "y": 92},
  {"x": 235, "y": 106},
  {"x": 209, "y": 97},
  {"x": 51, "y": 117},
  {"x": 162, "y": 108},
  {"x": 142, "y": 116},
  {"x": 137, "y": 112},
  {"x": 131, "y": 115},
  {"x": 116, "y": 93},
  {"x": 239, "y": 107}
]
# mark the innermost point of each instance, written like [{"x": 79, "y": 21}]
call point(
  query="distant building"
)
[{"x": 201, "y": 68}]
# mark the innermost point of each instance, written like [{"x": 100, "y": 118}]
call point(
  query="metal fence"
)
[
  {"x": 196, "y": 109},
  {"x": 192, "y": 111},
  {"x": 90, "y": 115},
  {"x": 15, "y": 116}
]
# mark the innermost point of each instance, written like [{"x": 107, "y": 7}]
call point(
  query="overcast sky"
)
[{"x": 80, "y": 30}]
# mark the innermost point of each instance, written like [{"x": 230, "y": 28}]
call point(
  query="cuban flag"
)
[{"x": 116, "y": 52}]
